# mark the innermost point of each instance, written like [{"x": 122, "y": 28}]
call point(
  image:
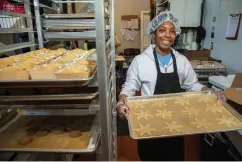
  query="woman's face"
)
[{"x": 165, "y": 35}]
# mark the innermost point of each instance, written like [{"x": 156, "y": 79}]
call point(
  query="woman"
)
[{"x": 160, "y": 70}]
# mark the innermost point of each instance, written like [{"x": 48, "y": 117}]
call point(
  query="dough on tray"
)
[
  {"x": 144, "y": 130},
  {"x": 182, "y": 101},
  {"x": 42, "y": 133},
  {"x": 25, "y": 140},
  {"x": 75, "y": 133},
  {"x": 164, "y": 114},
  {"x": 143, "y": 115},
  {"x": 190, "y": 111},
  {"x": 229, "y": 122},
  {"x": 173, "y": 127},
  {"x": 199, "y": 123},
  {"x": 214, "y": 108}
]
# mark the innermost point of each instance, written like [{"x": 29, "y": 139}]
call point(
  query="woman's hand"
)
[
  {"x": 218, "y": 93},
  {"x": 122, "y": 109}
]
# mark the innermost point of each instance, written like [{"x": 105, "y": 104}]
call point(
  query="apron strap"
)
[
  {"x": 156, "y": 62},
  {"x": 174, "y": 62}
]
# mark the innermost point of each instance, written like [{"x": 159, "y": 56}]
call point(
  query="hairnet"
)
[{"x": 161, "y": 18}]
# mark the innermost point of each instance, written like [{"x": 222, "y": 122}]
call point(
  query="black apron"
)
[{"x": 164, "y": 149}]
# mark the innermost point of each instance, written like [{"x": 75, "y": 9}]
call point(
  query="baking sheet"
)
[
  {"x": 9, "y": 135},
  {"x": 47, "y": 83},
  {"x": 206, "y": 65},
  {"x": 179, "y": 114}
]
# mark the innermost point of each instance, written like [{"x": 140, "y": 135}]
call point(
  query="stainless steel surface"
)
[
  {"x": 63, "y": 16},
  {"x": 47, "y": 83},
  {"x": 114, "y": 149},
  {"x": 69, "y": 23},
  {"x": 15, "y": 30},
  {"x": 93, "y": 107},
  {"x": 13, "y": 47},
  {"x": 87, "y": 96},
  {"x": 92, "y": 146},
  {"x": 103, "y": 81},
  {"x": 167, "y": 95},
  {"x": 38, "y": 23},
  {"x": 70, "y": 35},
  {"x": 228, "y": 107},
  {"x": 59, "y": 112},
  {"x": 76, "y": 1},
  {"x": 48, "y": 9},
  {"x": 29, "y": 22}
]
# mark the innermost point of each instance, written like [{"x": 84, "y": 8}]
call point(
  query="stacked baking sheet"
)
[
  {"x": 48, "y": 133},
  {"x": 179, "y": 114},
  {"x": 47, "y": 64}
]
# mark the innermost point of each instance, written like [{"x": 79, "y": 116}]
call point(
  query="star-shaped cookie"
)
[
  {"x": 144, "y": 130},
  {"x": 164, "y": 113},
  {"x": 214, "y": 108},
  {"x": 190, "y": 111},
  {"x": 199, "y": 123},
  {"x": 182, "y": 101},
  {"x": 205, "y": 99},
  {"x": 173, "y": 127},
  {"x": 229, "y": 122},
  {"x": 159, "y": 104},
  {"x": 143, "y": 114}
]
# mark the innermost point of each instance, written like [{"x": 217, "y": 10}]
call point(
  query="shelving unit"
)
[
  {"x": 13, "y": 22},
  {"x": 161, "y": 5},
  {"x": 101, "y": 103}
]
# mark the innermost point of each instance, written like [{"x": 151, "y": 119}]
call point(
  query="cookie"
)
[
  {"x": 25, "y": 140},
  {"x": 75, "y": 133},
  {"x": 42, "y": 133},
  {"x": 70, "y": 127},
  {"x": 57, "y": 130},
  {"x": 31, "y": 131}
]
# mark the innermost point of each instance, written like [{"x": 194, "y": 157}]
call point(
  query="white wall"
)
[
  {"x": 128, "y": 7},
  {"x": 229, "y": 51}
]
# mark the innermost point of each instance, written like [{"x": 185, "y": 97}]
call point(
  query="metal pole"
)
[
  {"x": 38, "y": 23},
  {"x": 29, "y": 23},
  {"x": 102, "y": 79},
  {"x": 114, "y": 112}
]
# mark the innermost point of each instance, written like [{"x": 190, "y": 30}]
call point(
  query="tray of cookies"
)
[
  {"x": 45, "y": 67},
  {"x": 179, "y": 114},
  {"x": 40, "y": 133}
]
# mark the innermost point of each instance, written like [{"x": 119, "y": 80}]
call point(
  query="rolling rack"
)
[
  {"x": 95, "y": 96},
  {"x": 16, "y": 18}
]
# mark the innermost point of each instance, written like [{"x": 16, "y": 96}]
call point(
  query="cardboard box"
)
[
  {"x": 202, "y": 55},
  {"x": 234, "y": 93}
]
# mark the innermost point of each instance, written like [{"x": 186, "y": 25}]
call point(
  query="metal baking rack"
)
[
  {"x": 102, "y": 103},
  {"x": 15, "y": 19}
]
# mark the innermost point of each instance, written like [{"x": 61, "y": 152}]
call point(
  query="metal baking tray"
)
[
  {"x": 65, "y": 100},
  {"x": 217, "y": 65},
  {"x": 48, "y": 83},
  {"x": 63, "y": 16},
  {"x": 69, "y": 24},
  {"x": 91, "y": 146},
  {"x": 187, "y": 119}
]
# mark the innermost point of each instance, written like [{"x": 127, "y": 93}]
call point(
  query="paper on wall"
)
[
  {"x": 134, "y": 23},
  {"x": 125, "y": 24}
]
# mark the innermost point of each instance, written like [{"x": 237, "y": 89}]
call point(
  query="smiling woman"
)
[{"x": 158, "y": 71}]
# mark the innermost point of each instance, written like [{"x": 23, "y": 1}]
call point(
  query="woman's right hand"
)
[{"x": 122, "y": 109}]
